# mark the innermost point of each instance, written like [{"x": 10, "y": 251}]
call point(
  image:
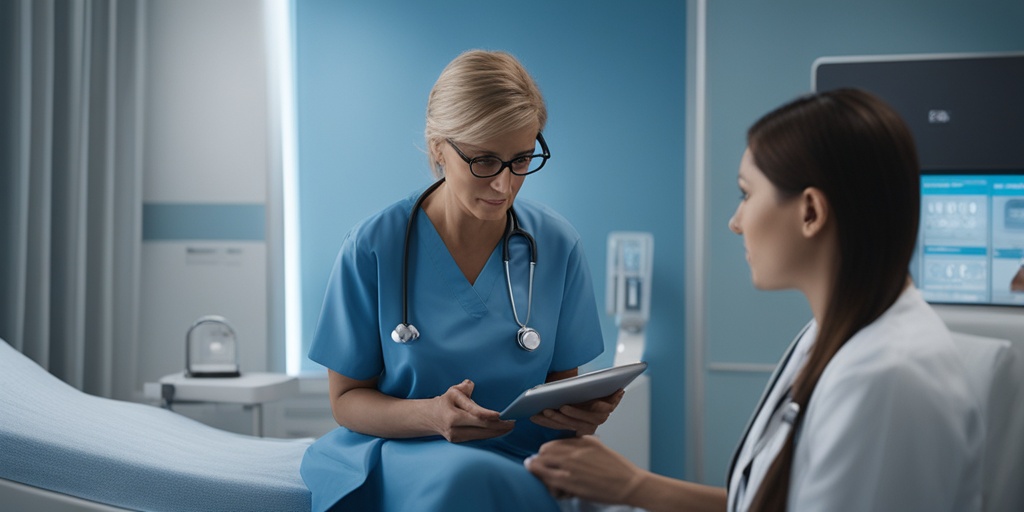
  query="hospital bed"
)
[{"x": 64, "y": 450}]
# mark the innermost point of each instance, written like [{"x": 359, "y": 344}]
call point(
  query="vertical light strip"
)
[
  {"x": 696, "y": 239},
  {"x": 282, "y": 77}
]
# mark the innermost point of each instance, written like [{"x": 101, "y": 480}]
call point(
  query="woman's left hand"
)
[{"x": 584, "y": 418}]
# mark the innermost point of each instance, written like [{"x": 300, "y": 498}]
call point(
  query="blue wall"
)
[
  {"x": 613, "y": 74},
  {"x": 759, "y": 56}
]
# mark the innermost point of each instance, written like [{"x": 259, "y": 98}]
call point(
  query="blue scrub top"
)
[{"x": 466, "y": 332}]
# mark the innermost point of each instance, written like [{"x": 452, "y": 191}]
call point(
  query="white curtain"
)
[{"x": 70, "y": 186}]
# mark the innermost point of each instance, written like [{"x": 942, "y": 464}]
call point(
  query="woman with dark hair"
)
[{"x": 870, "y": 408}]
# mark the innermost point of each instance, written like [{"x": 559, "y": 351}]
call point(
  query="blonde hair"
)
[{"x": 480, "y": 95}]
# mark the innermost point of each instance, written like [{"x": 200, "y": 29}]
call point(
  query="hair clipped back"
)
[
  {"x": 478, "y": 96},
  {"x": 860, "y": 154}
]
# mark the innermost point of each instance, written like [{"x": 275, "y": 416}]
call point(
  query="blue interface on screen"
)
[{"x": 970, "y": 246}]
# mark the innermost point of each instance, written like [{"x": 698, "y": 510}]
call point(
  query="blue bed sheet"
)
[{"x": 135, "y": 456}]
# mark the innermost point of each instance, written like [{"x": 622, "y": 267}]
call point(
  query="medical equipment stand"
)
[
  {"x": 250, "y": 390},
  {"x": 628, "y": 295}
]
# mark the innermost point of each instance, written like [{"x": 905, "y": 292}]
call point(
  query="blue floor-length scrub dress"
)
[{"x": 467, "y": 332}]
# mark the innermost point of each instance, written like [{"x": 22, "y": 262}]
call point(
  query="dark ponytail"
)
[{"x": 860, "y": 154}]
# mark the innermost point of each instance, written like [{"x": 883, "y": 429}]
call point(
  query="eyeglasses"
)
[{"x": 487, "y": 166}]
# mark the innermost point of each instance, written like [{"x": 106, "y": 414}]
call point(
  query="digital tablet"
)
[{"x": 573, "y": 390}]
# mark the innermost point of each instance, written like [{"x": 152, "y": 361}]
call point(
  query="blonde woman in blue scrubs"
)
[
  {"x": 870, "y": 409},
  {"x": 419, "y": 421}
]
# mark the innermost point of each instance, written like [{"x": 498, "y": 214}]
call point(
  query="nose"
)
[
  {"x": 502, "y": 182},
  {"x": 734, "y": 223}
]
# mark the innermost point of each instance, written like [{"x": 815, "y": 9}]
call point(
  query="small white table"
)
[{"x": 251, "y": 390}]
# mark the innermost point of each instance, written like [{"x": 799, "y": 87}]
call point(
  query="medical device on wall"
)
[
  {"x": 211, "y": 348},
  {"x": 527, "y": 337},
  {"x": 966, "y": 112},
  {"x": 628, "y": 299},
  {"x": 628, "y": 291}
]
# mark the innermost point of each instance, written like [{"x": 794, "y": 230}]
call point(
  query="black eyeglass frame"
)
[{"x": 545, "y": 155}]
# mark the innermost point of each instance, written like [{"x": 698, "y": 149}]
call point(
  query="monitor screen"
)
[{"x": 970, "y": 246}]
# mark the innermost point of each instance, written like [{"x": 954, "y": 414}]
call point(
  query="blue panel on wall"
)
[
  {"x": 203, "y": 222},
  {"x": 614, "y": 77}
]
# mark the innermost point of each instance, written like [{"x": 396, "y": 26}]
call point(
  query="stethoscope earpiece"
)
[{"x": 527, "y": 337}]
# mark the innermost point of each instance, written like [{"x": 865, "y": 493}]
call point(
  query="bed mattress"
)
[{"x": 132, "y": 455}]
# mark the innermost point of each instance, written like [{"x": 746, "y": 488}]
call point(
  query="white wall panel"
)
[
  {"x": 206, "y": 112},
  {"x": 205, "y": 144}
]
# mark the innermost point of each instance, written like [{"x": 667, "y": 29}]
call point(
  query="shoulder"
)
[
  {"x": 909, "y": 333},
  {"x": 908, "y": 351},
  {"x": 543, "y": 222},
  {"x": 384, "y": 228}
]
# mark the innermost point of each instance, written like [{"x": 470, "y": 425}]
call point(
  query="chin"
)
[
  {"x": 767, "y": 286},
  {"x": 492, "y": 213},
  {"x": 492, "y": 216},
  {"x": 758, "y": 282}
]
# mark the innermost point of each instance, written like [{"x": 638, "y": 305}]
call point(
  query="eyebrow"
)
[{"x": 470, "y": 148}]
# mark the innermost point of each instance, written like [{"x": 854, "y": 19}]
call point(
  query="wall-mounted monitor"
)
[{"x": 967, "y": 116}]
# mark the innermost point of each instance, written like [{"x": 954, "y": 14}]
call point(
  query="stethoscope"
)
[
  {"x": 785, "y": 416},
  {"x": 527, "y": 337},
  {"x": 783, "y": 419}
]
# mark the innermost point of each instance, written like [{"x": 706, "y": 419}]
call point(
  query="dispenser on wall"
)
[
  {"x": 628, "y": 290},
  {"x": 628, "y": 299}
]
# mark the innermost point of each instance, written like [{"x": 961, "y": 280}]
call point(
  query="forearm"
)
[
  {"x": 657, "y": 493},
  {"x": 370, "y": 412}
]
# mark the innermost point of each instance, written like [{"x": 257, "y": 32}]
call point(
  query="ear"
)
[
  {"x": 815, "y": 211},
  {"x": 436, "y": 154}
]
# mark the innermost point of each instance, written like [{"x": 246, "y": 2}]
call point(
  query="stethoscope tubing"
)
[
  {"x": 510, "y": 231},
  {"x": 405, "y": 256},
  {"x": 527, "y": 338}
]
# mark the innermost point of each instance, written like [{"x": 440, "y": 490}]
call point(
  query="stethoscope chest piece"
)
[
  {"x": 404, "y": 333},
  {"x": 528, "y": 338}
]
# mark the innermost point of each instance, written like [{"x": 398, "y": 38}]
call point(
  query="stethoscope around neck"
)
[{"x": 527, "y": 337}]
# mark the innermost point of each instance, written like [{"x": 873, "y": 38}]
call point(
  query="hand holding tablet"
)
[{"x": 573, "y": 390}]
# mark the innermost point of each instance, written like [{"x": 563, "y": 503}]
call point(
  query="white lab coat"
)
[{"x": 891, "y": 426}]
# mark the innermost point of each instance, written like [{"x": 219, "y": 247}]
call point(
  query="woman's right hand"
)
[
  {"x": 459, "y": 419},
  {"x": 586, "y": 468}
]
